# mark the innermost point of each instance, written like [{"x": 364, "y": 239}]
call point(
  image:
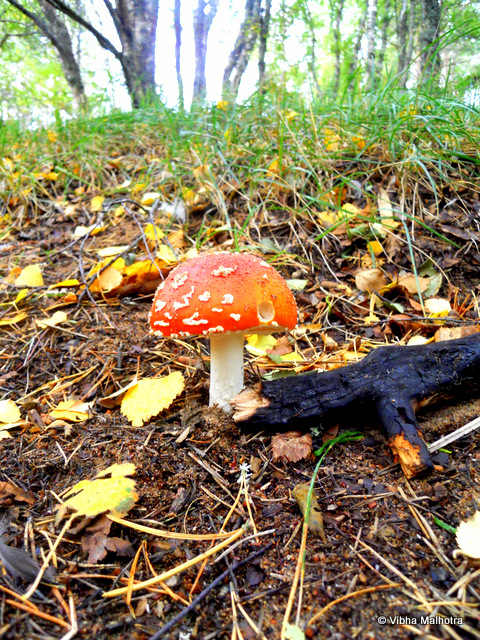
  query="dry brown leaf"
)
[
  {"x": 291, "y": 446},
  {"x": 9, "y": 492},
  {"x": 370, "y": 280},
  {"x": 409, "y": 282}
]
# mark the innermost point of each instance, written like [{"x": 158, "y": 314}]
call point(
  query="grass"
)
[{"x": 281, "y": 154}]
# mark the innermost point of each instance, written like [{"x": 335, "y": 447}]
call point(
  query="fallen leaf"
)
[
  {"x": 452, "y": 333},
  {"x": 72, "y": 410},
  {"x": 437, "y": 307},
  {"x": 18, "y": 317},
  {"x": 291, "y": 446},
  {"x": 149, "y": 198},
  {"x": 109, "y": 252},
  {"x": 370, "y": 280},
  {"x": 115, "y": 495},
  {"x": 315, "y": 520},
  {"x": 468, "y": 536},
  {"x": 9, "y": 412},
  {"x": 9, "y": 492},
  {"x": 409, "y": 282},
  {"x": 31, "y": 276},
  {"x": 150, "y": 396},
  {"x": 96, "y": 203},
  {"x": 57, "y": 318}
]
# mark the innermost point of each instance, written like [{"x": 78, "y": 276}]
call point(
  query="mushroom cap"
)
[{"x": 222, "y": 292}]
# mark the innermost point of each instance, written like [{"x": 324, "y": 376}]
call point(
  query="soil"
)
[{"x": 386, "y": 565}]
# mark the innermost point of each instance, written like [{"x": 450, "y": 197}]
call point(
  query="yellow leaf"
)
[
  {"x": 291, "y": 115},
  {"x": 18, "y": 317},
  {"x": 331, "y": 140},
  {"x": 150, "y": 396},
  {"x": 109, "y": 252},
  {"x": 223, "y": 105},
  {"x": 73, "y": 282},
  {"x": 468, "y": 536},
  {"x": 437, "y": 307},
  {"x": 138, "y": 187},
  {"x": 149, "y": 198},
  {"x": 9, "y": 412},
  {"x": 153, "y": 233},
  {"x": 359, "y": 142},
  {"x": 328, "y": 218},
  {"x": 50, "y": 175},
  {"x": 116, "y": 494},
  {"x": 315, "y": 521},
  {"x": 258, "y": 344},
  {"x": 96, "y": 203},
  {"x": 291, "y": 357},
  {"x": 72, "y": 410},
  {"x": 115, "y": 398},
  {"x": 57, "y": 318},
  {"x": 20, "y": 295},
  {"x": 274, "y": 167},
  {"x": 52, "y": 136},
  {"x": 118, "y": 470},
  {"x": 165, "y": 253},
  {"x": 31, "y": 276},
  {"x": 7, "y": 163},
  {"x": 82, "y": 231},
  {"x": 375, "y": 247},
  {"x": 385, "y": 210}
]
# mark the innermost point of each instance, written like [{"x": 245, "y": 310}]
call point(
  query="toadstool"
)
[{"x": 223, "y": 296}]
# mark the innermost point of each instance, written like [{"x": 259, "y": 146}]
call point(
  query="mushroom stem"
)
[{"x": 226, "y": 368}]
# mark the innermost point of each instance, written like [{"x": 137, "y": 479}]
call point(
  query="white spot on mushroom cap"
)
[
  {"x": 159, "y": 305},
  {"x": 235, "y": 316},
  {"x": 227, "y": 299},
  {"x": 185, "y": 300},
  {"x": 223, "y": 271},
  {"x": 217, "y": 309},
  {"x": 178, "y": 279},
  {"x": 204, "y": 297},
  {"x": 218, "y": 329},
  {"x": 161, "y": 323},
  {"x": 168, "y": 315},
  {"x": 194, "y": 320}
]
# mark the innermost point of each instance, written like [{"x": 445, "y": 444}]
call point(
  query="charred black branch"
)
[{"x": 390, "y": 382}]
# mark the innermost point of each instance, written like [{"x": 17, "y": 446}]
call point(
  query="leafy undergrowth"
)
[{"x": 370, "y": 212}]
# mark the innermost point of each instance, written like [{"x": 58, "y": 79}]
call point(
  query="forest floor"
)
[{"x": 387, "y": 561}]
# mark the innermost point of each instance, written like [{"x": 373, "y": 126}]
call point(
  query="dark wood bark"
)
[
  {"x": 177, "y": 26},
  {"x": 389, "y": 383},
  {"x": 202, "y": 21}
]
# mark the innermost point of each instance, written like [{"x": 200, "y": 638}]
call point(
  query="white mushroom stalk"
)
[{"x": 226, "y": 368}]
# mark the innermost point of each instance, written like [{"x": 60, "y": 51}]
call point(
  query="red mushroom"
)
[{"x": 223, "y": 296}]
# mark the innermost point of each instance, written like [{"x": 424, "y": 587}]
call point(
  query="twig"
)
[{"x": 206, "y": 591}]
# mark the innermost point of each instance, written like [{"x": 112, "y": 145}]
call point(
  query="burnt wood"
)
[{"x": 390, "y": 382}]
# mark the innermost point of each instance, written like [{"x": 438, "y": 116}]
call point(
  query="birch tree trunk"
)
[
  {"x": 55, "y": 29},
  {"x": 386, "y": 19},
  {"x": 402, "y": 34},
  {"x": 202, "y": 21},
  {"x": 242, "y": 49},
  {"x": 312, "y": 47},
  {"x": 136, "y": 24},
  {"x": 371, "y": 24},
  {"x": 336, "y": 13},
  {"x": 177, "y": 25},
  {"x": 262, "y": 46}
]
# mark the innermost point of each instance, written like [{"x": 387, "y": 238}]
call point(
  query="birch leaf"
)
[{"x": 150, "y": 396}]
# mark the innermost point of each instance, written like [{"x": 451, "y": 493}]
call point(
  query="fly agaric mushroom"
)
[{"x": 223, "y": 296}]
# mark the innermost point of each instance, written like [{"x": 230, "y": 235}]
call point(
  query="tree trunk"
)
[
  {"x": 387, "y": 17},
  {"x": 429, "y": 57},
  {"x": 243, "y": 47},
  {"x": 55, "y": 29},
  {"x": 402, "y": 34},
  {"x": 201, "y": 26},
  {"x": 177, "y": 25},
  {"x": 262, "y": 46},
  {"x": 336, "y": 11},
  {"x": 136, "y": 23},
  {"x": 312, "y": 47},
  {"x": 354, "y": 62},
  {"x": 372, "y": 7}
]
